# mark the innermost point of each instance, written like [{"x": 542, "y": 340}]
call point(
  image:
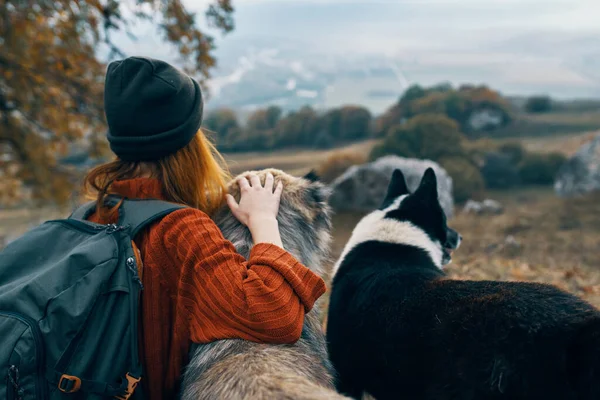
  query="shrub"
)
[
  {"x": 514, "y": 150},
  {"x": 540, "y": 169},
  {"x": 323, "y": 140},
  {"x": 538, "y": 104},
  {"x": 428, "y": 136},
  {"x": 467, "y": 181},
  {"x": 379, "y": 151},
  {"x": 337, "y": 163},
  {"x": 478, "y": 150},
  {"x": 499, "y": 171}
]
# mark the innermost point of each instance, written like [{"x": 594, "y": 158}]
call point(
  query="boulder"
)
[
  {"x": 488, "y": 206},
  {"x": 581, "y": 173},
  {"x": 363, "y": 187}
]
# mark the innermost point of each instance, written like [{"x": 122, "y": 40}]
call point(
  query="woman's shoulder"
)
[
  {"x": 186, "y": 220},
  {"x": 185, "y": 234}
]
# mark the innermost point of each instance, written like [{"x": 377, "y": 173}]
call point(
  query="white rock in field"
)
[
  {"x": 363, "y": 187},
  {"x": 581, "y": 173},
  {"x": 488, "y": 206}
]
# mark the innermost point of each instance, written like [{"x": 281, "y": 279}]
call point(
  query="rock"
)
[
  {"x": 581, "y": 173},
  {"x": 363, "y": 187},
  {"x": 486, "y": 119},
  {"x": 511, "y": 246},
  {"x": 488, "y": 206}
]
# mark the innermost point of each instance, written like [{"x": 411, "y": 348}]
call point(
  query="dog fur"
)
[
  {"x": 399, "y": 328},
  {"x": 239, "y": 369}
]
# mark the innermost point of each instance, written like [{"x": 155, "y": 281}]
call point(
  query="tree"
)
[
  {"x": 224, "y": 124},
  {"x": 259, "y": 132},
  {"x": 332, "y": 123},
  {"x": 355, "y": 123},
  {"x": 264, "y": 120},
  {"x": 51, "y": 81},
  {"x": 538, "y": 104},
  {"x": 414, "y": 92},
  {"x": 298, "y": 128}
]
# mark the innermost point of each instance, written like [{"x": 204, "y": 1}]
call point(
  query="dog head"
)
[
  {"x": 304, "y": 218},
  {"x": 422, "y": 210},
  {"x": 414, "y": 219}
]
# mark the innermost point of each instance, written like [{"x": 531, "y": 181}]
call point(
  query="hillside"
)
[{"x": 298, "y": 162}]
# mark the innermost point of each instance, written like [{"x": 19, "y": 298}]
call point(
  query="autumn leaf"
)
[{"x": 51, "y": 81}]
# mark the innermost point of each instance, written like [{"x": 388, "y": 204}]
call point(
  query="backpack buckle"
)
[
  {"x": 132, "y": 383},
  {"x": 69, "y": 384}
]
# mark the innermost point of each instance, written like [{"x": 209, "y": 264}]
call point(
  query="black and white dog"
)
[{"x": 399, "y": 329}]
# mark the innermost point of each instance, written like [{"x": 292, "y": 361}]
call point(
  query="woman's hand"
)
[{"x": 258, "y": 208}]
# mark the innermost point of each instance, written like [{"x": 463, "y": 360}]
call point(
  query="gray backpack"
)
[{"x": 69, "y": 294}]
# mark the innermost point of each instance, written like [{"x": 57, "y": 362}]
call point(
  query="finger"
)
[
  {"x": 255, "y": 181},
  {"x": 233, "y": 205},
  {"x": 243, "y": 183},
  {"x": 278, "y": 190},
  {"x": 269, "y": 182}
]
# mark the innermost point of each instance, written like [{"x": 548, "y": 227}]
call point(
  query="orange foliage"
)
[{"x": 51, "y": 82}]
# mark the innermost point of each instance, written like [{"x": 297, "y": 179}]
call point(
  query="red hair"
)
[{"x": 196, "y": 176}]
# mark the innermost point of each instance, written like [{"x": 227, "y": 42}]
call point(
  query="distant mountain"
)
[
  {"x": 290, "y": 78},
  {"x": 256, "y": 72}
]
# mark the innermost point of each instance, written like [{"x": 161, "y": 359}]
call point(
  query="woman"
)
[{"x": 197, "y": 288}]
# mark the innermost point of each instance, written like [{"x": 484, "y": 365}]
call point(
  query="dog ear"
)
[
  {"x": 396, "y": 188},
  {"x": 318, "y": 193},
  {"x": 312, "y": 176},
  {"x": 428, "y": 187}
]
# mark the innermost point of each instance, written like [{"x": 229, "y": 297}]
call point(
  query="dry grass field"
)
[
  {"x": 295, "y": 162},
  {"x": 539, "y": 237}
]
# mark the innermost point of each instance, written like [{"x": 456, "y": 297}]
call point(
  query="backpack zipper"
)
[
  {"x": 91, "y": 227},
  {"x": 41, "y": 386}
]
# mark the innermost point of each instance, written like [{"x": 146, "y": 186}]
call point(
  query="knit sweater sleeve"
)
[{"x": 263, "y": 299}]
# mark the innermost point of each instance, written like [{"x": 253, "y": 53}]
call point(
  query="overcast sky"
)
[
  {"x": 391, "y": 25},
  {"x": 538, "y": 42}
]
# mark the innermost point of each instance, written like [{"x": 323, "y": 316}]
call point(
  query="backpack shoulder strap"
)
[
  {"x": 84, "y": 211},
  {"x": 139, "y": 213}
]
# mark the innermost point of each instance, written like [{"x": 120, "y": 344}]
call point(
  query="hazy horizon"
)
[{"x": 518, "y": 47}]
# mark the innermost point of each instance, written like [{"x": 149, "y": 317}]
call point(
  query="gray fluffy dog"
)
[{"x": 238, "y": 369}]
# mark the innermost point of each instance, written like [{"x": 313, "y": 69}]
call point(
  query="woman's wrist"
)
[{"x": 265, "y": 229}]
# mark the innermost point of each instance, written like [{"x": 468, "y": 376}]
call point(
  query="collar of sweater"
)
[{"x": 138, "y": 188}]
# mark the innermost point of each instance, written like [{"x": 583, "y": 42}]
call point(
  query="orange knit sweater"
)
[{"x": 198, "y": 289}]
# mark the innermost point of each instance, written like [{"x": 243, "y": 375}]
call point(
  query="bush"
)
[
  {"x": 478, "y": 150},
  {"x": 540, "y": 169},
  {"x": 467, "y": 181},
  {"x": 514, "y": 150},
  {"x": 538, "y": 104},
  {"x": 462, "y": 105},
  {"x": 499, "y": 171},
  {"x": 380, "y": 150},
  {"x": 427, "y": 136},
  {"x": 323, "y": 140},
  {"x": 337, "y": 163}
]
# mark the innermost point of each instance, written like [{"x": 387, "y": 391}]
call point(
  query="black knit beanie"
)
[{"x": 152, "y": 108}]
